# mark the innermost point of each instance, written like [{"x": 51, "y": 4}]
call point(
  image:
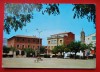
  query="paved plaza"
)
[{"x": 47, "y": 63}]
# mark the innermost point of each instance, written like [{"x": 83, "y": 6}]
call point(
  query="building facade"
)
[
  {"x": 21, "y": 42},
  {"x": 91, "y": 39},
  {"x": 60, "y": 39}
]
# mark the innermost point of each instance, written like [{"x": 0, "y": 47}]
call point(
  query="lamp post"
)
[{"x": 39, "y": 40}]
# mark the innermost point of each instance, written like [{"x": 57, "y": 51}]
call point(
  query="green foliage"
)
[
  {"x": 89, "y": 46},
  {"x": 70, "y": 47},
  {"x": 29, "y": 50},
  {"x": 61, "y": 49},
  {"x": 94, "y": 48},
  {"x": 75, "y": 46},
  {"x": 51, "y": 9},
  {"x": 13, "y": 49},
  {"x": 6, "y": 49},
  {"x": 67, "y": 50},
  {"x": 14, "y": 22},
  {"x": 55, "y": 50},
  {"x": 18, "y": 15},
  {"x": 83, "y": 47},
  {"x": 85, "y": 10},
  {"x": 42, "y": 49}
]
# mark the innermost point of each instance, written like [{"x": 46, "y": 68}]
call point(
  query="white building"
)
[{"x": 91, "y": 39}]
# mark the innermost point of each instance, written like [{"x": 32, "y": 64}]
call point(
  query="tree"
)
[
  {"x": 83, "y": 47},
  {"x": 16, "y": 16},
  {"x": 13, "y": 49},
  {"x": 29, "y": 51},
  {"x": 94, "y": 48},
  {"x": 75, "y": 46},
  {"x": 89, "y": 46},
  {"x": 60, "y": 49},
  {"x": 6, "y": 49},
  {"x": 70, "y": 47},
  {"x": 85, "y": 10},
  {"x": 42, "y": 49},
  {"x": 67, "y": 49},
  {"x": 55, "y": 50}
]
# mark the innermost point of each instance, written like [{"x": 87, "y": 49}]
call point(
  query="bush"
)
[
  {"x": 46, "y": 56},
  {"x": 6, "y": 49},
  {"x": 77, "y": 57},
  {"x": 17, "y": 52},
  {"x": 5, "y": 55},
  {"x": 54, "y": 56},
  {"x": 10, "y": 56},
  {"x": 22, "y": 53},
  {"x": 71, "y": 56},
  {"x": 29, "y": 55},
  {"x": 41, "y": 55}
]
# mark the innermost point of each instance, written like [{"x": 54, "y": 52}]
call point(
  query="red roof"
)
[
  {"x": 63, "y": 33},
  {"x": 24, "y": 36}
]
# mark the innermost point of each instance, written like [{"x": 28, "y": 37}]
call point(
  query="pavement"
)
[{"x": 48, "y": 63}]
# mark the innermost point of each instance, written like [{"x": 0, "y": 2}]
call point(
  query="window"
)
[
  {"x": 33, "y": 40},
  {"x": 28, "y": 46},
  {"x": 60, "y": 41},
  {"x": 23, "y": 39},
  {"x": 48, "y": 46},
  {"x": 38, "y": 40},
  {"x": 48, "y": 42},
  {"x": 53, "y": 41},
  {"x": 17, "y": 46},
  {"x": 28, "y": 40},
  {"x": 22, "y": 46},
  {"x": 17, "y": 39},
  {"x": 37, "y": 46},
  {"x": 51, "y": 46},
  {"x": 93, "y": 37}
]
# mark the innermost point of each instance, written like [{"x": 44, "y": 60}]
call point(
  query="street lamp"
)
[{"x": 39, "y": 39}]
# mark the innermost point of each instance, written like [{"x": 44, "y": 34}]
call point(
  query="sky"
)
[{"x": 50, "y": 24}]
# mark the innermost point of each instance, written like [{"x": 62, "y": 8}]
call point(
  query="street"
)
[{"x": 48, "y": 63}]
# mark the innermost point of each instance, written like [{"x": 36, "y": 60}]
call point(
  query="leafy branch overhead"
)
[
  {"x": 82, "y": 10},
  {"x": 16, "y": 16}
]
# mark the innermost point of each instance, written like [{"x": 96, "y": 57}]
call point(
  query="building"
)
[
  {"x": 20, "y": 42},
  {"x": 82, "y": 38},
  {"x": 91, "y": 39},
  {"x": 60, "y": 39}
]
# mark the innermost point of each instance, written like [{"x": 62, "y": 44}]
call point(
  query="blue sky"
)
[{"x": 50, "y": 24}]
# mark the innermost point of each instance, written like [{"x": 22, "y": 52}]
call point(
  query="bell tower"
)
[{"x": 82, "y": 36}]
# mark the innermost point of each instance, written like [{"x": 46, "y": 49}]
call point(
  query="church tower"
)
[{"x": 82, "y": 36}]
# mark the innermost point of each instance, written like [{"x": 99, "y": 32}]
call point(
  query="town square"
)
[
  {"x": 49, "y": 36},
  {"x": 49, "y": 63}
]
